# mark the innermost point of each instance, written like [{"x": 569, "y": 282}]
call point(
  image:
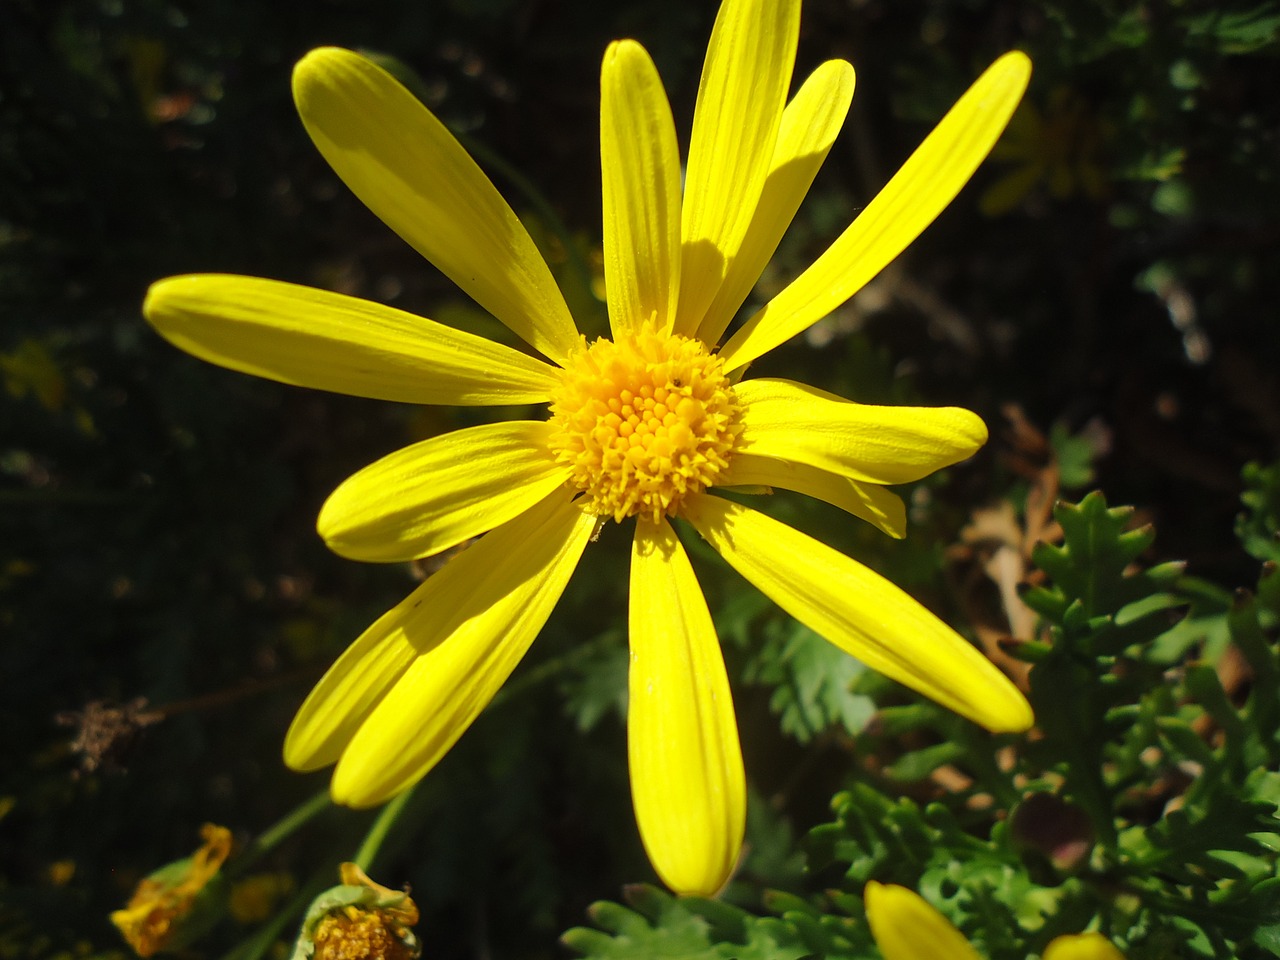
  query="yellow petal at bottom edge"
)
[
  {"x": 1082, "y": 946},
  {"x": 860, "y": 612},
  {"x": 407, "y": 689},
  {"x": 687, "y": 780},
  {"x": 905, "y": 927}
]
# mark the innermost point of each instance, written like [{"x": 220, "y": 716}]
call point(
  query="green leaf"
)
[
  {"x": 1259, "y": 525},
  {"x": 657, "y": 926},
  {"x": 813, "y": 682},
  {"x": 1268, "y": 938},
  {"x": 920, "y": 763},
  {"x": 596, "y": 686},
  {"x": 1238, "y": 31},
  {"x": 1075, "y": 454}
]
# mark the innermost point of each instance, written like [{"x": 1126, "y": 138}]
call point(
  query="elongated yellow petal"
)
[
  {"x": 514, "y": 553},
  {"x": 810, "y": 124},
  {"x": 355, "y": 684},
  {"x": 866, "y": 501},
  {"x": 313, "y": 338},
  {"x": 640, "y": 164},
  {"x": 860, "y": 612},
  {"x": 1082, "y": 946},
  {"x": 907, "y": 928},
  {"x": 435, "y": 494},
  {"x": 687, "y": 780},
  {"x": 735, "y": 126},
  {"x": 875, "y": 444},
  {"x": 408, "y": 169},
  {"x": 475, "y": 621},
  {"x": 918, "y": 192}
]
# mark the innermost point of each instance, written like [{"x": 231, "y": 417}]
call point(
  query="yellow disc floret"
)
[{"x": 642, "y": 421}]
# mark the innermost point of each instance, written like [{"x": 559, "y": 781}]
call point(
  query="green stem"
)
[
  {"x": 278, "y": 832},
  {"x": 378, "y": 831},
  {"x": 264, "y": 939}
]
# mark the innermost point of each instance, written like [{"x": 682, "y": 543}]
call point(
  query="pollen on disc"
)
[{"x": 642, "y": 421}]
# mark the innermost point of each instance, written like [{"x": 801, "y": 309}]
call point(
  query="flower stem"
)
[
  {"x": 260, "y": 943},
  {"x": 378, "y": 831},
  {"x": 278, "y": 832}
]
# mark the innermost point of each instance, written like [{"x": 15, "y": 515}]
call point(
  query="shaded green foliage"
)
[
  {"x": 812, "y": 682},
  {"x": 1148, "y": 803},
  {"x": 655, "y": 924}
]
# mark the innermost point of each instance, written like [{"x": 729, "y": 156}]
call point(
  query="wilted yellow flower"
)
[
  {"x": 907, "y": 928},
  {"x": 358, "y": 920},
  {"x": 642, "y": 425},
  {"x": 164, "y": 911}
]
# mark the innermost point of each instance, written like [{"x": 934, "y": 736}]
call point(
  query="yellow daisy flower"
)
[
  {"x": 907, "y": 928},
  {"x": 641, "y": 425}
]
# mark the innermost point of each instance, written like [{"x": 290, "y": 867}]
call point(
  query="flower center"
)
[{"x": 642, "y": 421}]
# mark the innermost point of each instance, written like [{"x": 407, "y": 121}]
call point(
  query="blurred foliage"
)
[{"x": 1104, "y": 294}]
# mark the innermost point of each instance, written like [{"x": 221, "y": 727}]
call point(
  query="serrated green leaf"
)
[
  {"x": 615, "y": 918},
  {"x": 1075, "y": 454},
  {"x": 657, "y": 926},
  {"x": 1185, "y": 741},
  {"x": 1238, "y": 31},
  {"x": 1155, "y": 603},
  {"x": 1259, "y": 525},
  {"x": 918, "y": 764},
  {"x": 1203, "y": 683},
  {"x": 813, "y": 683},
  {"x": 1048, "y": 603},
  {"x": 596, "y": 687},
  {"x": 907, "y": 717},
  {"x": 1268, "y": 938}
]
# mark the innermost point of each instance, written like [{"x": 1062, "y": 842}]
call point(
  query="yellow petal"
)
[
  {"x": 860, "y": 612},
  {"x": 735, "y": 126},
  {"x": 435, "y": 494},
  {"x": 907, "y": 928},
  {"x": 1082, "y": 946},
  {"x": 918, "y": 192},
  {"x": 810, "y": 124},
  {"x": 313, "y": 338},
  {"x": 687, "y": 780},
  {"x": 640, "y": 163},
  {"x": 866, "y": 501},
  {"x": 875, "y": 444},
  {"x": 354, "y": 685},
  {"x": 406, "y": 167},
  {"x": 475, "y": 620}
]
